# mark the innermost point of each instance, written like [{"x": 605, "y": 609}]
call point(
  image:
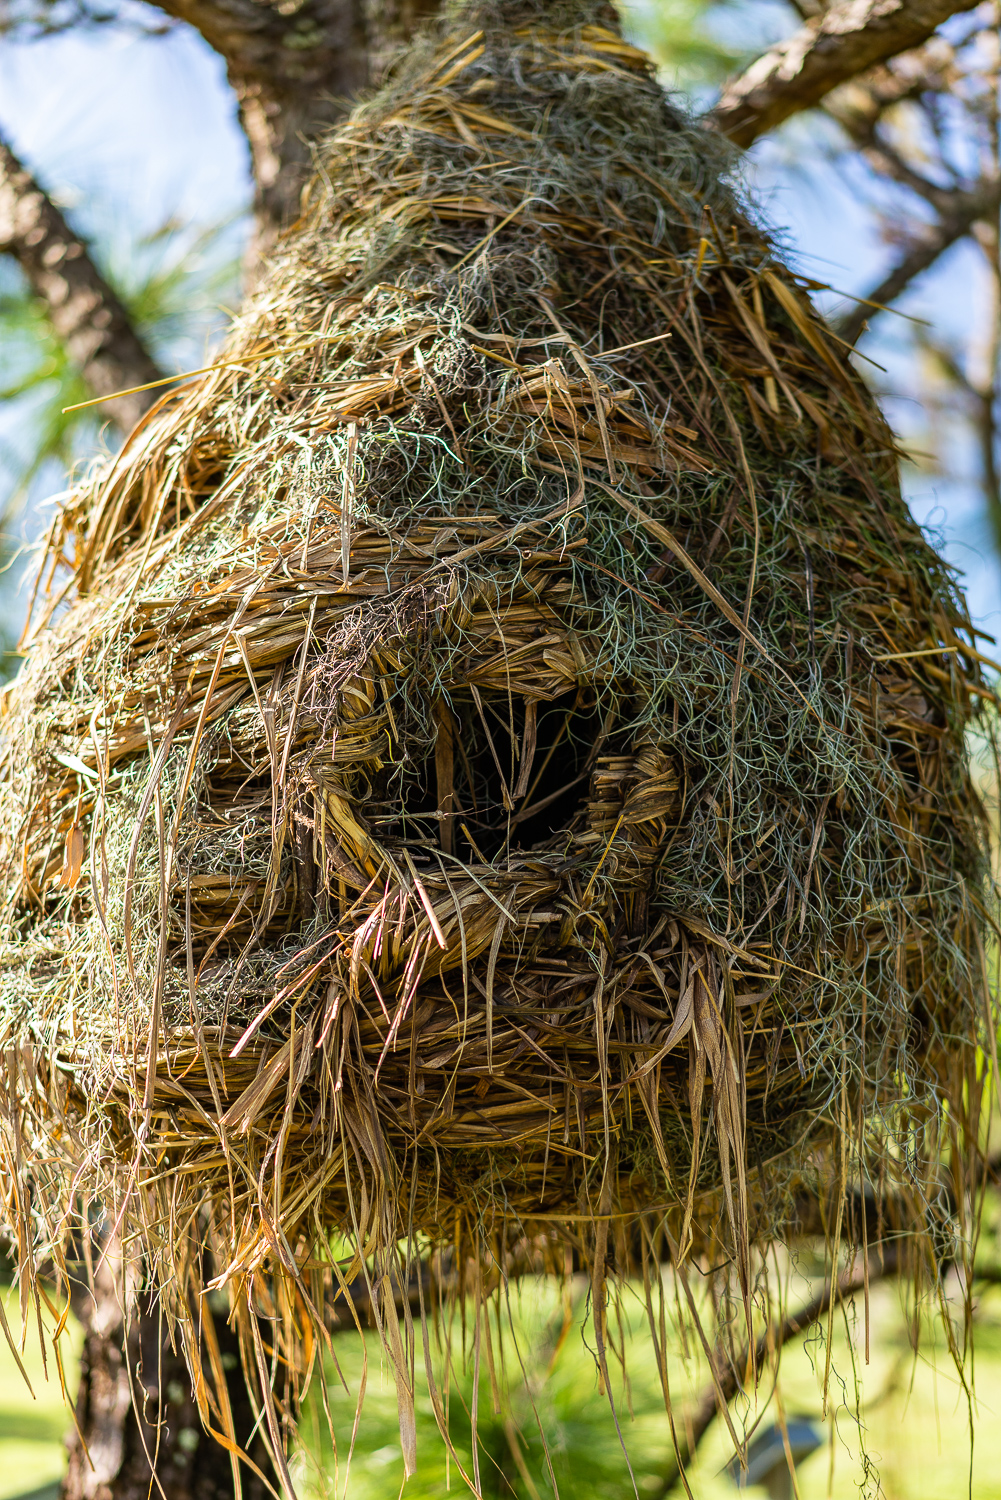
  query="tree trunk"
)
[
  {"x": 295, "y": 67},
  {"x": 127, "y": 1363}
]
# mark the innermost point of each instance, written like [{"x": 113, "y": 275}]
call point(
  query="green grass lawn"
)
[{"x": 32, "y": 1426}]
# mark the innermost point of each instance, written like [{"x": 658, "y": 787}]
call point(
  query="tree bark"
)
[
  {"x": 128, "y": 1363},
  {"x": 295, "y": 67},
  {"x": 831, "y": 48},
  {"x": 86, "y": 314}
]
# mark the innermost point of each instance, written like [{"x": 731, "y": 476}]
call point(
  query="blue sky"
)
[
  {"x": 143, "y": 127},
  {"x": 131, "y": 130}
]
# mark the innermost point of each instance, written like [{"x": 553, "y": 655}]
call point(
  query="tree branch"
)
[
  {"x": 888, "y": 162},
  {"x": 862, "y": 102},
  {"x": 730, "y": 1376},
  {"x": 926, "y": 246},
  {"x": 846, "y": 40},
  {"x": 84, "y": 310}
]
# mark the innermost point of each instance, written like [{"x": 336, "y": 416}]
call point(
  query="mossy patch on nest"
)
[{"x": 501, "y": 775}]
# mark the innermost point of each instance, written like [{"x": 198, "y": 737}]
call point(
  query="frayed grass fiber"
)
[{"x": 488, "y": 782}]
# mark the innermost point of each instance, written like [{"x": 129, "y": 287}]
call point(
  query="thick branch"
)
[
  {"x": 85, "y": 313},
  {"x": 843, "y": 42},
  {"x": 966, "y": 209},
  {"x": 294, "y": 68}
]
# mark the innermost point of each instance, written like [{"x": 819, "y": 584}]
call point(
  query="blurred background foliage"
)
[
  {"x": 175, "y": 283},
  {"x": 895, "y": 1428}
]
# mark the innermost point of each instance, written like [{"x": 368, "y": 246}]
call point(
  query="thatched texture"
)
[{"x": 500, "y": 768}]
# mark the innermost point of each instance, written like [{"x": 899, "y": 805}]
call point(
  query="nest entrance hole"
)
[{"x": 505, "y": 772}]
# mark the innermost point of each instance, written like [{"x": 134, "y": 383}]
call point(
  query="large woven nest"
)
[{"x": 490, "y": 768}]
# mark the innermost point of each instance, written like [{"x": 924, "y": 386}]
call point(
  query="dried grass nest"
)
[{"x": 489, "y": 767}]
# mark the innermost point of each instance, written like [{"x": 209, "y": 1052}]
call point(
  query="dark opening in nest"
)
[{"x": 505, "y": 774}]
